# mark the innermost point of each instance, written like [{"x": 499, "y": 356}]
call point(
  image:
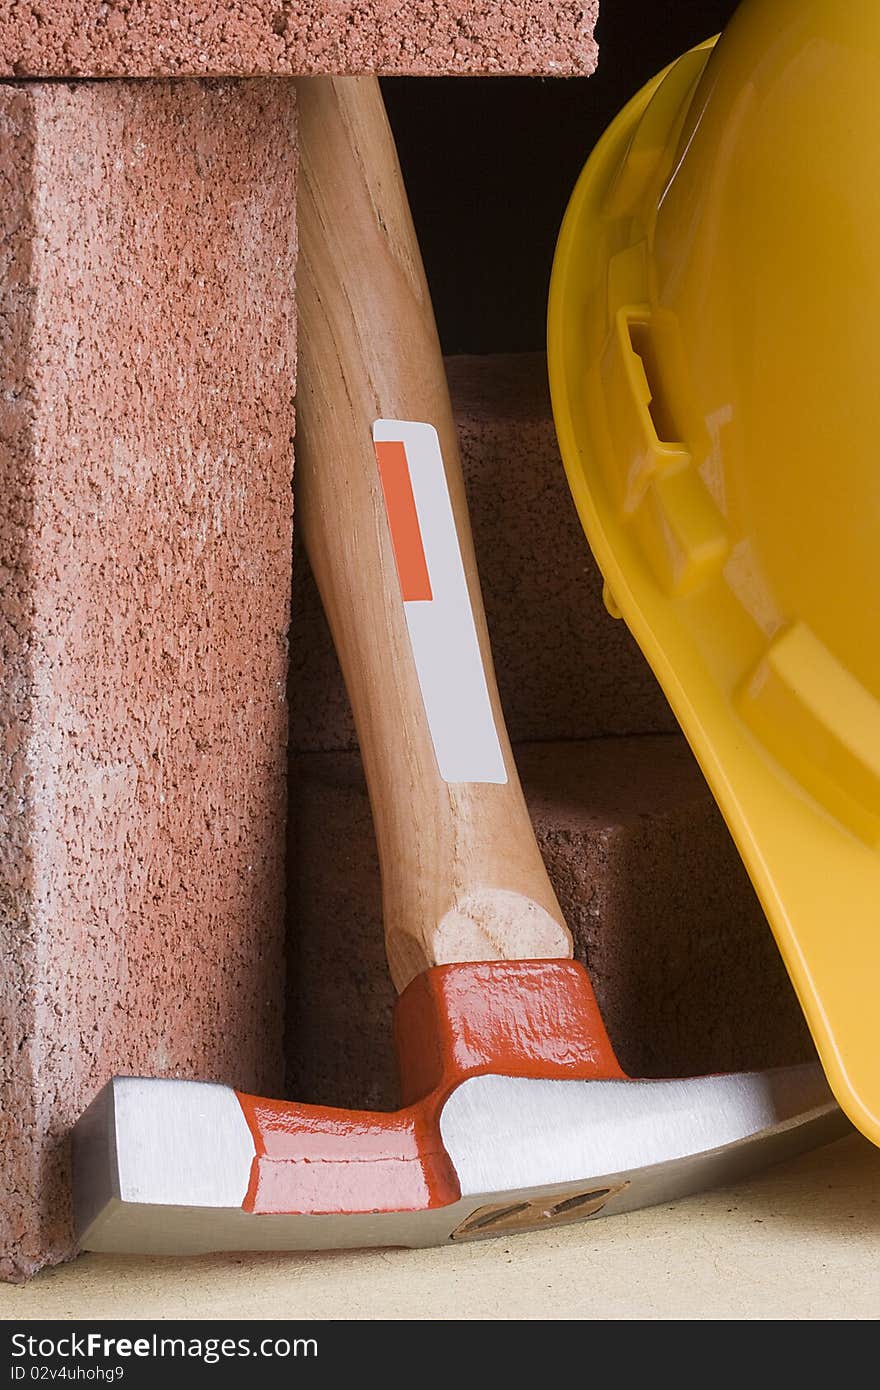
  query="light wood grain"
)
[{"x": 462, "y": 875}]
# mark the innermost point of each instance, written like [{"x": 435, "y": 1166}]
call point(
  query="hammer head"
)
[{"x": 518, "y": 1117}]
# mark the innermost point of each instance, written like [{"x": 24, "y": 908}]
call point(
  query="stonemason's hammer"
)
[{"x": 516, "y": 1113}]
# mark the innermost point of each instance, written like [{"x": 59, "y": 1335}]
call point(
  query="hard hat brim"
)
[{"x": 817, "y": 879}]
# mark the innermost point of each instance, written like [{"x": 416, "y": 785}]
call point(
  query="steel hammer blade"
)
[{"x": 516, "y": 1129}]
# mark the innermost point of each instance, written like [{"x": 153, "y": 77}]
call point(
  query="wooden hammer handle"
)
[{"x": 462, "y": 875}]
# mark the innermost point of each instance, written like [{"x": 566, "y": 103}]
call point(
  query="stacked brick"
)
[{"x": 147, "y": 375}]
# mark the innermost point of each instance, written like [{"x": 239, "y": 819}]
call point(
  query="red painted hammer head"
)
[{"x": 517, "y": 1117}]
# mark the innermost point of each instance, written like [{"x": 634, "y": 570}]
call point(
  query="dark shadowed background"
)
[{"x": 490, "y": 163}]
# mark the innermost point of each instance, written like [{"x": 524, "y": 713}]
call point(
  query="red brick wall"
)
[
  {"x": 147, "y": 338},
  {"x": 241, "y": 37}
]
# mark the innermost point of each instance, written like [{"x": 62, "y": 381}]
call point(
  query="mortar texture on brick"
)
[
  {"x": 144, "y": 38},
  {"x": 147, "y": 338}
]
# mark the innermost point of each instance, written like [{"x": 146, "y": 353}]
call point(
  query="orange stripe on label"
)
[{"x": 403, "y": 520}]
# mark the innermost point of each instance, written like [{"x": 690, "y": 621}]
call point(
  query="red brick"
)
[
  {"x": 662, "y": 913},
  {"x": 145, "y": 38},
  {"x": 147, "y": 360}
]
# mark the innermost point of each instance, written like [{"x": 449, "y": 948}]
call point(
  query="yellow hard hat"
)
[{"x": 715, "y": 369}]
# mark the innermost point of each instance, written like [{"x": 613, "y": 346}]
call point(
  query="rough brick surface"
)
[
  {"x": 143, "y": 38},
  {"x": 662, "y": 912},
  {"x": 565, "y": 670},
  {"x": 146, "y": 380}
]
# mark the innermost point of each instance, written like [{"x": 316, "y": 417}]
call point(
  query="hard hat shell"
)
[{"x": 715, "y": 373}]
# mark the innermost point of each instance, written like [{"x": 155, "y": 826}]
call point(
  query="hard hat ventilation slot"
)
[
  {"x": 651, "y": 471},
  {"x": 642, "y": 342}
]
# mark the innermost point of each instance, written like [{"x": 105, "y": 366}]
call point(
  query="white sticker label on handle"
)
[{"x": 436, "y": 602}]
